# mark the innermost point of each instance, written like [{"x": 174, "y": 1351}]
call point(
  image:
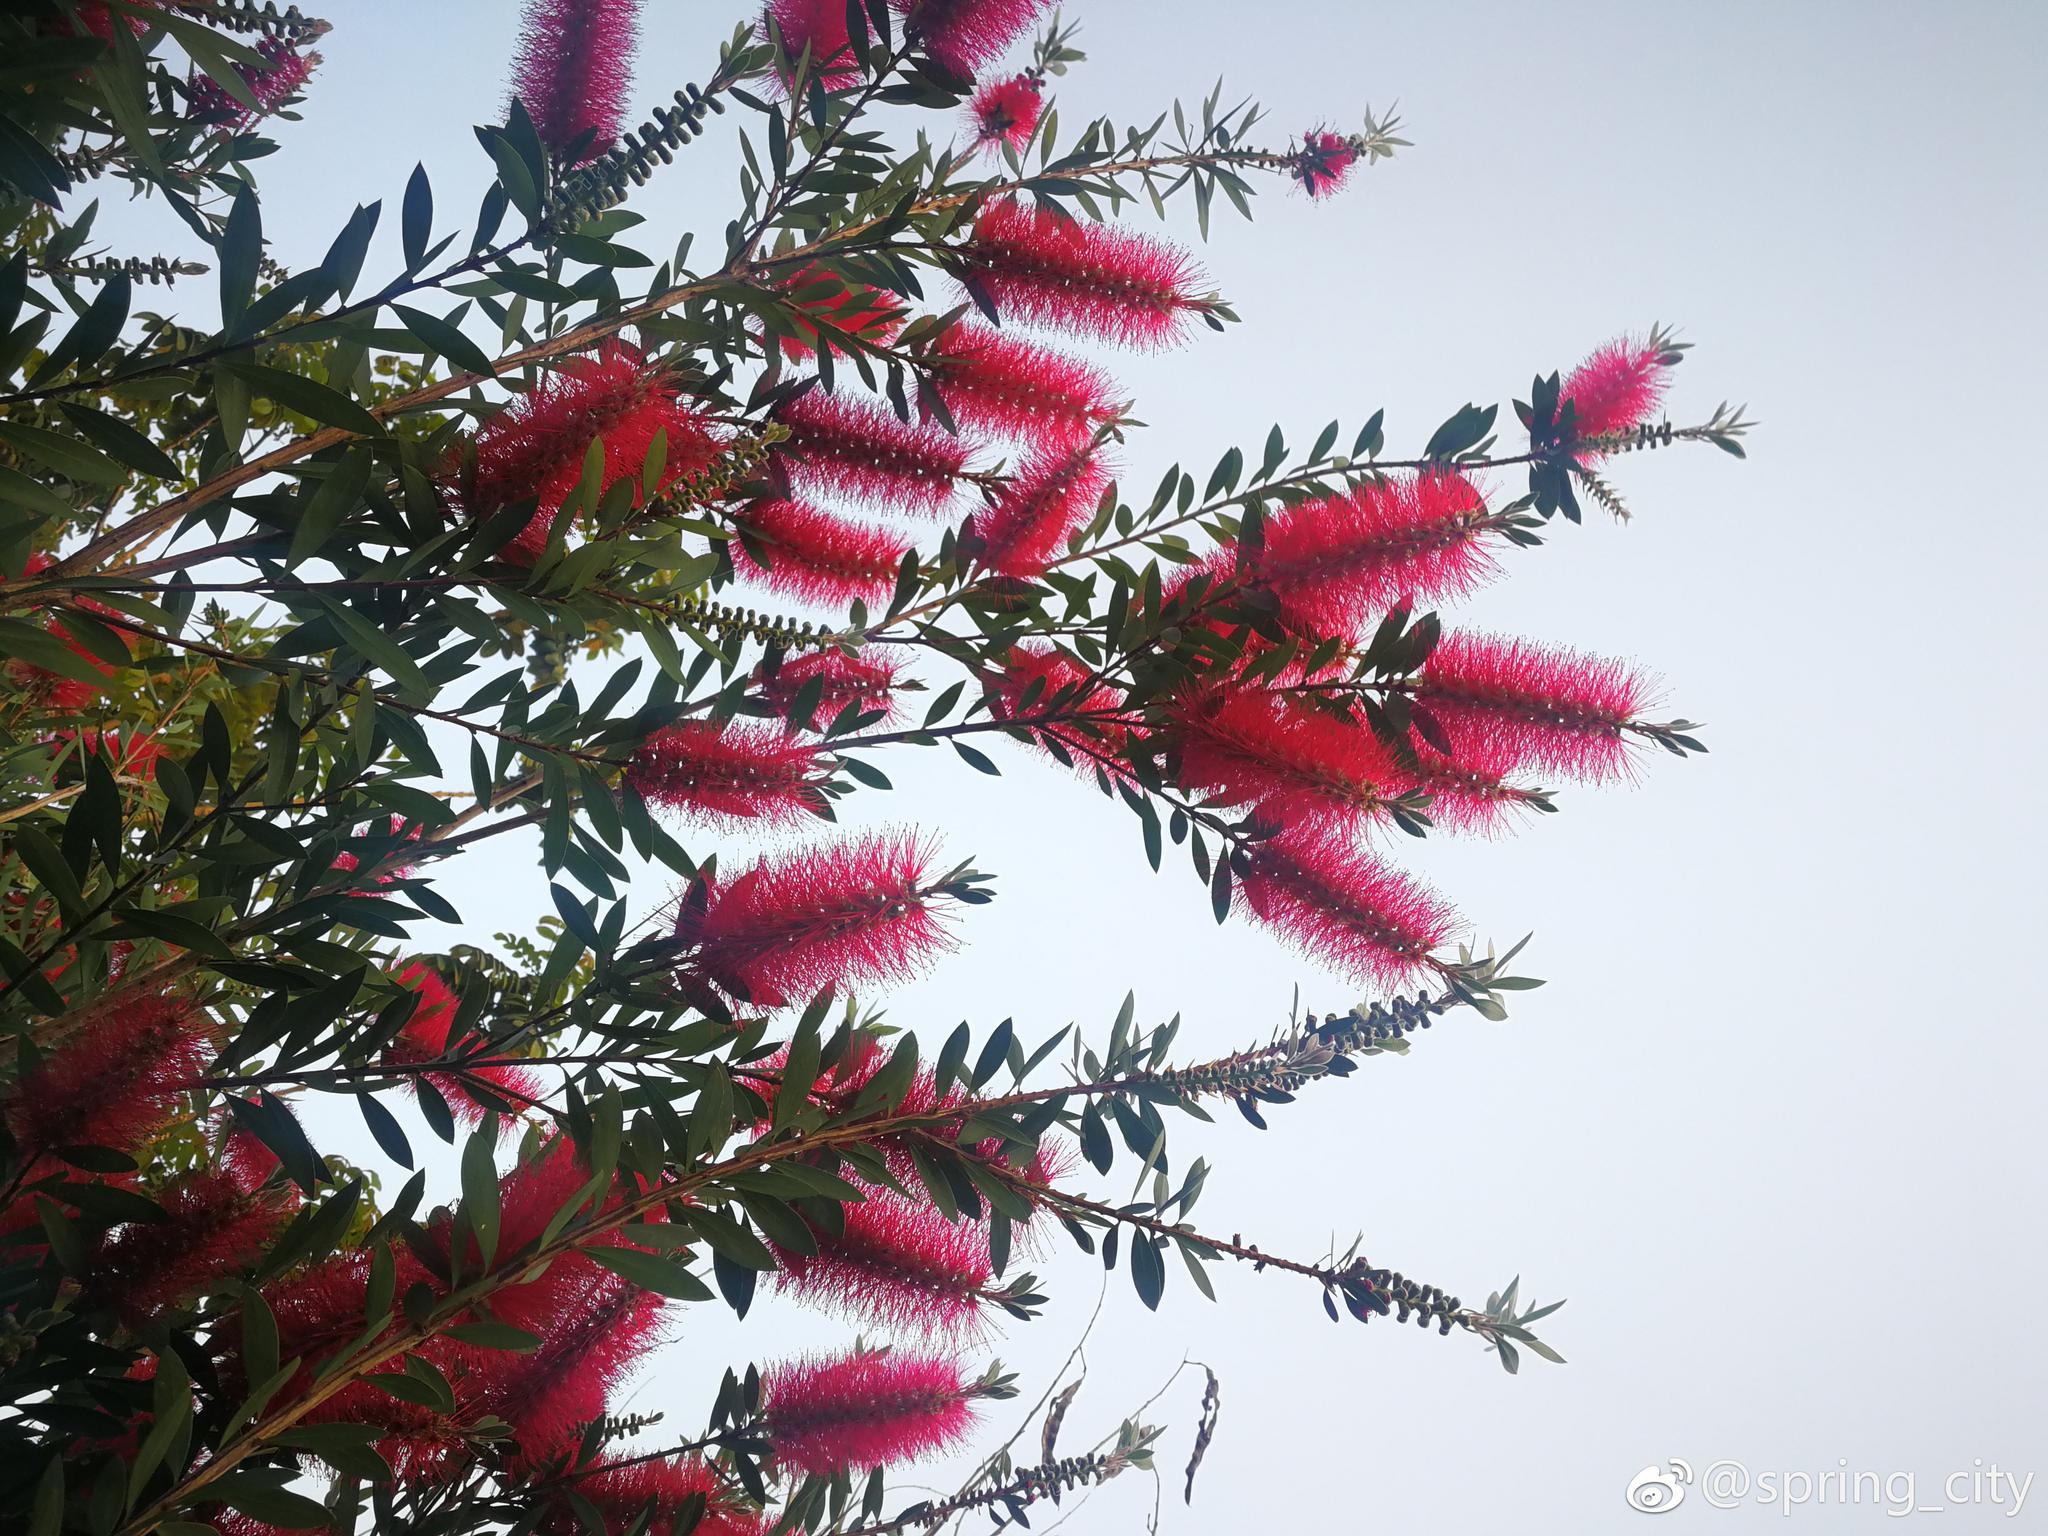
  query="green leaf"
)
[
  {"x": 976, "y": 760},
  {"x": 446, "y": 339},
  {"x": 309, "y": 397},
  {"x": 92, "y": 333},
  {"x": 480, "y": 1201},
  {"x": 121, "y": 441},
  {"x": 339, "y": 494},
  {"x": 241, "y": 255},
  {"x": 417, "y": 219},
  {"x": 652, "y": 1272},
  {"x": 259, "y": 1498},
  {"x": 68, "y": 456}
]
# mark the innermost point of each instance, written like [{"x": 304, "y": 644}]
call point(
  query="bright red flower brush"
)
[
  {"x": 428, "y": 1036},
  {"x": 865, "y": 1411},
  {"x": 212, "y": 1228},
  {"x": 1323, "y": 162},
  {"x": 1469, "y": 789},
  {"x": 1279, "y": 756},
  {"x": 1004, "y": 384},
  {"x": 1053, "y": 493},
  {"x": 1337, "y": 563},
  {"x": 348, "y": 862},
  {"x": 869, "y": 680},
  {"x": 114, "y": 1081},
  {"x": 901, "y": 1265},
  {"x": 621, "y": 1495},
  {"x": 573, "y": 70},
  {"x": 50, "y": 689},
  {"x": 599, "y": 1332},
  {"x": 535, "y": 447},
  {"x": 1097, "y": 281},
  {"x": 1005, "y": 112},
  {"x": 843, "y": 447},
  {"x": 1342, "y": 907},
  {"x": 820, "y": 26},
  {"x": 1620, "y": 386},
  {"x": 967, "y": 35},
  {"x": 129, "y": 758},
  {"x": 1527, "y": 705},
  {"x": 1037, "y": 680},
  {"x": 817, "y": 557},
  {"x": 727, "y": 773},
  {"x": 283, "y": 76},
  {"x": 873, "y": 314},
  {"x": 860, "y": 911}
]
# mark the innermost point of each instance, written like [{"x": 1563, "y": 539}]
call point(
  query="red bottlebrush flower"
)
[
  {"x": 98, "y": 19},
  {"x": 1619, "y": 387},
  {"x": 599, "y": 1331},
  {"x": 967, "y": 35},
  {"x": 817, "y": 557},
  {"x": 621, "y": 1495},
  {"x": 1006, "y": 112},
  {"x": 50, "y": 689},
  {"x": 1338, "y": 563},
  {"x": 1054, "y": 492},
  {"x": 842, "y": 447},
  {"x": 1343, "y": 907},
  {"x": 858, "y": 309},
  {"x": 1468, "y": 788},
  {"x": 1528, "y": 705},
  {"x": 213, "y": 1229},
  {"x": 535, "y": 447},
  {"x": 1095, "y": 280},
  {"x": 114, "y": 1081},
  {"x": 428, "y": 1036},
  {"x": 348, "y": 862},
  {"x": 1004, "y": 384},
  {"x": 1039, "y": 680},
  {"x": 573, "y": 70},
  {"x": 869, "y": 680},
  {"x": 820, "y": 26},
  {"x": 865, "y": 1411},
  {"x": 247, "y": 1161},
  {"x": 1323, "y": 162},
  {"x": 863, "y": 910},
  {"x": 727, "y": 773},
  {"x": 1288, "y": 760},
  {"x": 284, "y": 75},
  {"x": 134, "y": 758},
  {"x": 900, "y": 1264}
]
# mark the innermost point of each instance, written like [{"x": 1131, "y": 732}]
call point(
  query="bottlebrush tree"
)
[{"x": 648, "y": 560}]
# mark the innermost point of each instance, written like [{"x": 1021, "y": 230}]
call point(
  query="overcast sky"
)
[{"x": 1774, "y": 1125}]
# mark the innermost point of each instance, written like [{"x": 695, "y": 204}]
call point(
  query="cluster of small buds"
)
[
  {"x": 1374, "y": 1024},
  {"x": 154, "y": 270},
  {"x": 1368, "y": 1290},
  {"x": 263, "y": 16},
  {"x": 762, "y": 628},
  {"x": 606, "y": 180}
]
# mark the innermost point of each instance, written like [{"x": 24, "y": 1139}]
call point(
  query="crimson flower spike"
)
[
  {"x": 573, "y": 70},
  {"x": 52, "y": 689},
  {"x": 115, "y": 1080},
  {"x": 863, "y": 1411},
  {"x": 1323, "y": 162},
  {"x": 599, "y": 1332},
  {"x": 899, "y": 1264},
  {"x": 1005, "y": 112},
  {"x": 1053, "y": 493},
  {"x": 211, "y": 1228},
  {"x": 650, "y": 1496},
  {"x": 1468, "y": 787},
  {"x": 842, "y": 447},
  {"x": 816, "y": 557},
  {"x": 1526, "y": 705},
  {"x": 727, "y": 773},
  {"x": 536, "y": 446},
  {"x": 859, "y": 309},
  {"x": 1004, "y": 384},
  {"x": 869, "y": 680},
  {"x": 1037, "y": 680},
  {"x": 429, "y": 1036},
  {"x": 1336, "y": 564},
  {"x": 1621, "y": 385},
  {"x": 1097, "y": 281},
  {"x": 820, "y": 27},
  {"x": 283, "y": 75},
  {"x": 1286, "y": 759},
  {"x": 1343, "y": 907},
  {"x": 967, "y": 35},
  {"x": 860, "y": 911}
]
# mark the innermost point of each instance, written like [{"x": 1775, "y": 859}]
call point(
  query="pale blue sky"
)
[{"x": 1774, "y": 1125}]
